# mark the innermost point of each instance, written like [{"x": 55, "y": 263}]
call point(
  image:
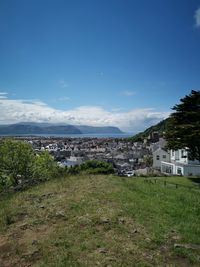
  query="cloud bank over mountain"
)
[{"x": 13, "y": 111}]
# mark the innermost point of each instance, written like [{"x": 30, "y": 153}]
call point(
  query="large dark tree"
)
[{"x": 184, "y": 126}]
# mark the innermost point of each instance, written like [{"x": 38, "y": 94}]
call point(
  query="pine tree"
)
[{"x": 184, "y": 127}]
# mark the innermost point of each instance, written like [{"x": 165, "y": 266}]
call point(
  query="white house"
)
[
  {"x": 180, "y": 164},
  {"x": 70, "y": 162}
]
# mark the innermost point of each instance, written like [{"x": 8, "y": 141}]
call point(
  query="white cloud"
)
[
  {"x": 3, "y": 95},
  {"x": 13, "y": 111},
  {"x": 129, "y": 93},
  {"x": 197, "y": 17}
]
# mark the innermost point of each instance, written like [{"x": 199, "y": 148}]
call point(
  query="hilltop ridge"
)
[{"x": 48, "y": 128}]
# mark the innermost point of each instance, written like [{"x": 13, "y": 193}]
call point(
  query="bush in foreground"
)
[
  {"x": 16, "y": 161},
  {"x": 19, "y": 163}
]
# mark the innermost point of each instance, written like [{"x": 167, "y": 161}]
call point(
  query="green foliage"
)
[
  {"x": 148, "y": 160},
  {"x": 44, "y": 166},
  {"x": 96, "y": 166},
  {"x": 160, "y": 127},
  {"x": 16, "y": 160},
  {"x": 5, "y": 181},
  {"x": 73, "y": 170},
  {"x": 92, "y": 167},
  {"x": 184, "y": 127}
]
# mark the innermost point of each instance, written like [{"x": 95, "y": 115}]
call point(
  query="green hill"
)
[
  {"x": 101, "y": 221},
  {"x": 160, "y": 127}
]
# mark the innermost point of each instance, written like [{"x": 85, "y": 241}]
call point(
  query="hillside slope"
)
[
  {"x": 100, "y": 221},
  {"x": 159, "y": 127}
]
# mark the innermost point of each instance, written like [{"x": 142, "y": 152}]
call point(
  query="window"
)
[
  {"x": 166, "y": 169},
  {"x": 164, "y": 156},
  {"x": 183, "y": 154},
  {"x": 158, "y": 157},
  {"x": 179, "y": 171}
]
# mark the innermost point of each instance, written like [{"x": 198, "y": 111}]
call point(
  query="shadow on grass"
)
[{"x": 195, "y": 180}]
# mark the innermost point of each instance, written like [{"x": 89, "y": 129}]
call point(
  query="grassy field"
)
[{"x": 101, "y": 221}]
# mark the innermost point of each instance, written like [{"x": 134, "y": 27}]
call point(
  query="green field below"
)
[{"x": 102, "y": 220}]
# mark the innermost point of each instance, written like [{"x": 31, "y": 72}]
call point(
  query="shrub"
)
[
  {"x": 16, "y": 160},
  {"x": 19, "y": 163},
  {"x": 92, "y": 167},
  {"x": 44, "y": 166}
]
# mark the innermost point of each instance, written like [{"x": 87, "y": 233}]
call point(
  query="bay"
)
[{"x": 124, "y": 135}]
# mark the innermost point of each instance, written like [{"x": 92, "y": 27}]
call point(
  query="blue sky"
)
[{"x": 99, "y": 62}]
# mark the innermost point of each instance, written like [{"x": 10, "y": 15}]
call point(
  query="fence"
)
[{"x": 175, "y": 185}]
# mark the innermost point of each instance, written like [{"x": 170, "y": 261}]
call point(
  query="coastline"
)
[{"x": 111, "y": 135}]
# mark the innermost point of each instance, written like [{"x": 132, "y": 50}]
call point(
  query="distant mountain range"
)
[{"x": 46, "y": 128}]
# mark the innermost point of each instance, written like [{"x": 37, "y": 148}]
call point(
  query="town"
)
[{"x": 128, "y": 158}]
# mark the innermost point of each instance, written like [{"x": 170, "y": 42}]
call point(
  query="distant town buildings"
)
[
  {"x": 128, "y": 158},
  {"x": 125, "y": 155}
]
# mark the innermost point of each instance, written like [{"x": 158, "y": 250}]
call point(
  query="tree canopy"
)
[
  {"x": 16, "y": 159},
  {"x": 18, "y": 162},
  {"x": 184, "y": 127}
]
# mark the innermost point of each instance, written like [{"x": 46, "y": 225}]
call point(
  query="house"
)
[
  {"x": 72, "y": 161},
  {"x": 180, "y": 164},
  {"x": 160, "y": 155},
  {"x": 161, "y": 143}
]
